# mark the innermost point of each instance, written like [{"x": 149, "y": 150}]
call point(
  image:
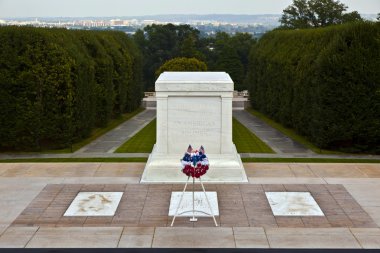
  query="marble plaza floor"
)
[{"x": 34, "y": 198}]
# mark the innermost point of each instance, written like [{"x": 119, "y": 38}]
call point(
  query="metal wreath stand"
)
[{"x": 194, "y": 219}]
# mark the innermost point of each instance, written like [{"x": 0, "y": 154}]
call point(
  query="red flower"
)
[{"x": 197, "y": 171}]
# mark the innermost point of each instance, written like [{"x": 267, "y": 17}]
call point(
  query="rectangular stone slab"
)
[
  {"x": 293, "y": 204},
  {"x": 200, "y": 204},
  {"x": 94, "y": 204}
]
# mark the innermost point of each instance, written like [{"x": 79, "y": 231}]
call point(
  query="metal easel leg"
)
[
  {"x": 180, "y": 201},
  {"x": 208, "y": 202},
  {"x": 193, "y": 219}
]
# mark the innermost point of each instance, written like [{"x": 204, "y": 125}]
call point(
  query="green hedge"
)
[
  {"x": 56, "y": 85},
  {"x": 324, "y": 83}
]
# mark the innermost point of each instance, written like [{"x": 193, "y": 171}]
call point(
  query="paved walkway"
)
[
  {"x": 110, "y": 141},
  {"x": 33, "y": 195},
  {"x": 279, "y": 142}
]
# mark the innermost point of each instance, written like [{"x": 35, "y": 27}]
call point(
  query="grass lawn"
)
[
  {"x": 307, "y": 160},
  {"x": 246, "y": 141},
  {"x": 96, "y": 133},
  {"x": 291, "y": 133},
  {"x": 142, "y": 142}
]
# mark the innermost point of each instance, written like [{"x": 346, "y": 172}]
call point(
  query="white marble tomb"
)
[
  {"x": 293, "y": 204},
  {"x": 194, "y": 108},
  {"x": 201, "y": 207},
  {"x": 94, "y": 204}
]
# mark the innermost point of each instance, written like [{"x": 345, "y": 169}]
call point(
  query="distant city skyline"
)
[{"x": 103, "y": 8}]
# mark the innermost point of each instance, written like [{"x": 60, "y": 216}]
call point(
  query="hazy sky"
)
[{"x": 81, "y": 8}]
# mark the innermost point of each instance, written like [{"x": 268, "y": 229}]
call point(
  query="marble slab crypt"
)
[
  {"x": 293, "y": 204},
  {"x": 194, "y": 108},
  {"x": 94, "y": 204},
  {"x": 201, "y": 207}
]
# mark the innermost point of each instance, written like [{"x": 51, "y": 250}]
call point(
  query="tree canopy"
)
[
  {"x": 316, "y": 13},
  {"x": 160, "y": 43},
  {"x": 222, "y": 52},
  {"x": 230, "y": 54},
  {"x": 182, "y": 64}
]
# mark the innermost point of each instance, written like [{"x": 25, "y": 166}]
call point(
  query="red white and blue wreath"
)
[{"x": 195, "y": 162}]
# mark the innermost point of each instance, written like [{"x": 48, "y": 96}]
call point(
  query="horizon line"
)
[{"x": 145, "y": 15}]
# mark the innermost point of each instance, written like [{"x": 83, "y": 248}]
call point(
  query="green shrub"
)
[
  {"x": 182, "y": 64},
  {"x": 324, "y": 83},
  {"x": 56, "y": 85}
]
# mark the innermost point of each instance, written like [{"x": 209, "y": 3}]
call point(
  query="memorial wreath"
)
[{"x": 195, "y": 162}]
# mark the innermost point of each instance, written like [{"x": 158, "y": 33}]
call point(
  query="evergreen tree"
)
[{"x": 229, "y": 61}]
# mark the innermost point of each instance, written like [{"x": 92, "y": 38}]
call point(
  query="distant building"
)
[
  {"x": 117, "y": 22},
  {"x": 149, "y": 22}
]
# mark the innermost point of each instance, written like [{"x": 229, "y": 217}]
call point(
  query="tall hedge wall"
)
[
  {"x": 324, "y": 83},
  {"x": 56, "y": 85}
]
